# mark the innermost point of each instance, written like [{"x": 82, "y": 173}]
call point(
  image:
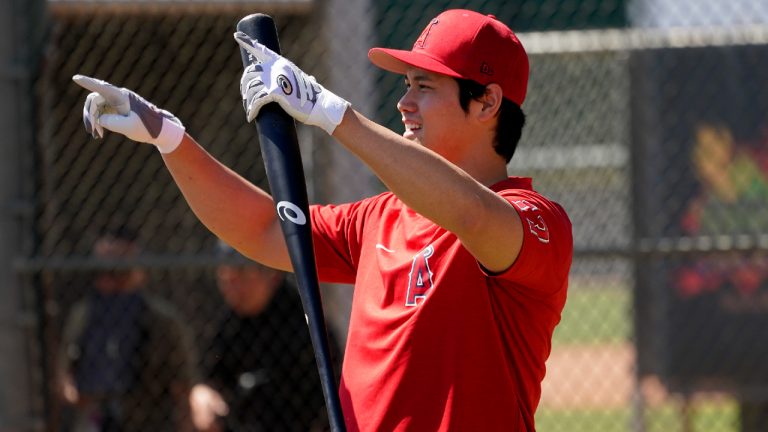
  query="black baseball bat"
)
[{"x": 282, "y": 160}]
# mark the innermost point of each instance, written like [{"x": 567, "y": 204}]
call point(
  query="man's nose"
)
[{"x": 406, "y": 103}]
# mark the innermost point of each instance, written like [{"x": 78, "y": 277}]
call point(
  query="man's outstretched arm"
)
[
  {"x": 235, "y": 210},
  {"x": 487, "y": 224},
  {"x": 231, "y": 207}
]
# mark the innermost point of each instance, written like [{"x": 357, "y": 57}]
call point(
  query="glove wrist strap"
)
[
  {"x": 331, "y": 113},
  {"x": 170, "y": 137}
]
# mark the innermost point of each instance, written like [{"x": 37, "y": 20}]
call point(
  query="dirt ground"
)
[{"x": 595, "y": 376}]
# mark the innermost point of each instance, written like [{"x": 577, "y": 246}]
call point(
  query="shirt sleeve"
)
[
  {"x": 335, "y": 234},
  {"x": 547, "y": 249}
]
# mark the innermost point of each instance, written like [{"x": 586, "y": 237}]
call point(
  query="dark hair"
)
[{"x": 511, "y": 118}]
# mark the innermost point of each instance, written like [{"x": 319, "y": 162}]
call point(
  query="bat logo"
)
[
  {"x": 292, "y": 212},
  {"x": 285, "y": 84}
]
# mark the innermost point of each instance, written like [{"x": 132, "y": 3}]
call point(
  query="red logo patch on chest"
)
[{"x": 420, "y": 277}]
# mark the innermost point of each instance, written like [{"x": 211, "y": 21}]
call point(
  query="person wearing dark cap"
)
[
  {"x": 260, "y": 372},
  {"x": 460, "y": 271},
  {"x": 127, "y": 362}
]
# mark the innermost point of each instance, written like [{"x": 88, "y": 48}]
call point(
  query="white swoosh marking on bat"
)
[{"x": 292, "y": 212}]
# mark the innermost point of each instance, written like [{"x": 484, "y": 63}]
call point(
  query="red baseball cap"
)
[{"x": 465, "y": 44}]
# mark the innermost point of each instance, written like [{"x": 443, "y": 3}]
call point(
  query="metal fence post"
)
[{"x": 20, "y": 33}]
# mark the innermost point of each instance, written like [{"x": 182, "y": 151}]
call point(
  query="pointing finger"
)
[{"x": 111, "y": 94}]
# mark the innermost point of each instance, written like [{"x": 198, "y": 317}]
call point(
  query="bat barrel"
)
[{"x": 282, "y": 159}]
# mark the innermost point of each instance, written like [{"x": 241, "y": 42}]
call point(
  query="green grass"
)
[
  {"x": 709, "y": 416},
  {"x": 603, "y": 316},
  {"x": 595, "y": 316},
  {"x": 593, "y": 420}
]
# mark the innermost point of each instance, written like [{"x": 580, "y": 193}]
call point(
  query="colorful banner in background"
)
[{"x": 701, "y": 137}]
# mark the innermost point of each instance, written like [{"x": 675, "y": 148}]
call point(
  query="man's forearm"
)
[
  {"x": 231, "y": 207},
  {"x": 422, "y": 179}
]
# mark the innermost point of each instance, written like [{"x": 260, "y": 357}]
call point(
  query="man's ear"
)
[{"x": 490, "y": 102}]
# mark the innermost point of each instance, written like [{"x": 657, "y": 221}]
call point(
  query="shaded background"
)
[{"x": 647, "y": 120}]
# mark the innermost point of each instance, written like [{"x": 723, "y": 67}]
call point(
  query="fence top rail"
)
[
  {"x": 662, "y": 246},
  {"x": 149, "y": 7},
  {"x": 609, "y": 40},
  {"x": 146, "y": 261},
  {"x": 678, "y": 246}
]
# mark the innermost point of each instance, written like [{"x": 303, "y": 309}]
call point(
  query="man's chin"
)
[{"x": 410, "y": 136}]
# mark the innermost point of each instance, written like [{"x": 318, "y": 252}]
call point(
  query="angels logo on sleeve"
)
[
  {"x": 538, "y": 228},
  {"x": 532, "y": 219}
]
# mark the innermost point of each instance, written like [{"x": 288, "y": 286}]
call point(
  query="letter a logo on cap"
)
[{"x": 422, "y": 40}]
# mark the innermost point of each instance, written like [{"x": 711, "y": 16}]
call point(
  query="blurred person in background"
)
[
  {"x": 261, "y": 373},
  {"x": 126, "y": 362}
]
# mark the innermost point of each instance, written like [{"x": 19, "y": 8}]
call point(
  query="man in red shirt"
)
[{"x": 460, "y": 271}]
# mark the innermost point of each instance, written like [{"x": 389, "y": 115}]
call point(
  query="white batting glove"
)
[
  {"x": 120, "y": 110},
  {"x": 273, "y": 78}
]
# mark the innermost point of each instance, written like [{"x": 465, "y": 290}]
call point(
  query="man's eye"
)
[{"x": 418, "y": 86}]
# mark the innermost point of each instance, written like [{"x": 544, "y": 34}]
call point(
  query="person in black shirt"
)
[{"x": 261, "y": 371}]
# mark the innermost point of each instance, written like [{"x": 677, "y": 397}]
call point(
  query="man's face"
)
[
  {"x": 432, "y": 115},
  {"x": 247, "y": 290},
  {"x": 120, "y": 280}
]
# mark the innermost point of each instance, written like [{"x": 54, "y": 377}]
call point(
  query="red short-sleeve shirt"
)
[{"x": 435, "y": 342}]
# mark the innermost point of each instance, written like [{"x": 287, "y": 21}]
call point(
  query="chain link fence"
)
[{"x": 647, "y": 121}]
